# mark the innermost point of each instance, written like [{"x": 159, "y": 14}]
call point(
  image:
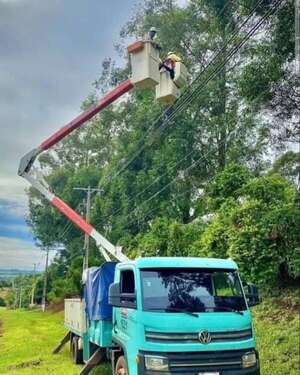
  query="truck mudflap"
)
[{"x": 198, "y": 363}]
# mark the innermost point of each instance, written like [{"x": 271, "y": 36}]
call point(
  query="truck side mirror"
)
[
  {"x": 252, "y": 294},
  {"x": 118, "y": 299}
]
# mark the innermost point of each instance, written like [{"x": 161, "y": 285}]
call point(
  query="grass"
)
[
  {"x": 277, "y": 323},
  {"x": 29, "y": 336}
]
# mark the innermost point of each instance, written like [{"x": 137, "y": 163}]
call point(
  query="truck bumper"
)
[
  {"x": 201, "y": 363},
  {"x": 254, "y": 371}
]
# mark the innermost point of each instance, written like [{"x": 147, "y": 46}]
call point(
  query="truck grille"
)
[
  {"x": 193, "y": 363},
  {"x": 194, "y": 337},
  {"x": 206, "y": 361}
]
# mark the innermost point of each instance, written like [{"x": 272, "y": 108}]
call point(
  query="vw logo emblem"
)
[{"x": 204, "y": 337}]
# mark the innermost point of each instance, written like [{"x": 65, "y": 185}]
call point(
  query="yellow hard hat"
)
[{"x": 174, "y": 56}]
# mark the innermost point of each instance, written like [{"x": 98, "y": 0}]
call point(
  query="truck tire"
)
[
  {"x": 77, "y": 354},
  {"x": 121, "y": 366}
]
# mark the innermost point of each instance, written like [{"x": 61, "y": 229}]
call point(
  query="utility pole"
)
[
  {"x": 34, "y": 284},
  {"x": 86, "y": 236},
  {"x": 20, "y": 297},
  {"x": 89, "y": 191},
  {"x": 15, "y": 294},
  {"x": 45, "y": 281}
]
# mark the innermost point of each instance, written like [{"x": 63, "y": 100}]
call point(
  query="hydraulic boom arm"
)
[{"x": 31, "y": 175}]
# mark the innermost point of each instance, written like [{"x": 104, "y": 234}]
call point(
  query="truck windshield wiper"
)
[
  {"x": 175, "y": 309},
  {"x": 225, "y": 308}
]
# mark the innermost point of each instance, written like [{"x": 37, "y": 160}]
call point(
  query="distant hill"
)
[{"x": 6, "y": 274}]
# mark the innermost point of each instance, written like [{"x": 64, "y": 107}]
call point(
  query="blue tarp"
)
[{"x": 96, "y": 291}]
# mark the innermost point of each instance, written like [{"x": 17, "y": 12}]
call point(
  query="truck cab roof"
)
[{"x": 181, "y": 262}]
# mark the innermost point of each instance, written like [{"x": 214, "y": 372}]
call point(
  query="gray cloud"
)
[
  {"x": 15, "y": 253},
  {"x": 51, "y": 51},
  {"x": 50, "y": 54}
]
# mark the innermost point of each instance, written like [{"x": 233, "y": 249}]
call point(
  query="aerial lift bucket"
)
[
  {"x": 168, "y": 89},
  {"x": 181, "y": 75},
  {"x": 166, "y": 92},
  {"x": 144, "y": 57}
]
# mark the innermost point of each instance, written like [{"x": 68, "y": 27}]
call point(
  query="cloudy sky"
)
[{"x": 50, "y": 53}]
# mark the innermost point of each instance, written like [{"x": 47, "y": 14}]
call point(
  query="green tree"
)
[
  {"x": 288, "y": 166},
  {"x": 257, "y": 227},
  {"x": 156, "y": 197}
]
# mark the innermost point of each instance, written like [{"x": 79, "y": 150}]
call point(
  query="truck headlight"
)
[
  {"x": 154, "y": 363},
  {"x": 249, "y": 360}
]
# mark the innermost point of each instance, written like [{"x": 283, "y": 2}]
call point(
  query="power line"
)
[
  {"x": 89, "y": 191},
  {"x": 232, "y": 52},
  {"x": 139, "y": 150},
  {"x": 170, "y": 113},
  {"x": 155, "y": 208},
  {"x": 187, "y": 100},
  {"x": 196, "y": 92},
  {"x": 68, "y": 225},
  {"x": 186, "y": 170},
  {"x": 152, "y": 183}
]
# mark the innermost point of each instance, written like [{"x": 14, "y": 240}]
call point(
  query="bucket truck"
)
[{"x": 152, "y": 316}]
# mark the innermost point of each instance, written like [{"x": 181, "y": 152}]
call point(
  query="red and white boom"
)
[
  {"x": 145, "y": 74},
  {"x": 27, "y": 171}
]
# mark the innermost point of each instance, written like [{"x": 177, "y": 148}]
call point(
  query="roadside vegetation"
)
[
  {"x": 277, "y": 326},
  {"x": 28, "y": 337},
  {"x": 207, "y": 184},
  {"x": 251, "y": 219}
]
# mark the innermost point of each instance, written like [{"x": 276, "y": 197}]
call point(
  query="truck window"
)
[
  {"x": 197, "y": 290},
  {"x": 226, "y": 285},
  {"x": 127, "y": 282}
]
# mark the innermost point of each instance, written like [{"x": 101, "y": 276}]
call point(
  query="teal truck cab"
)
[{"x": 166, "y": 316}]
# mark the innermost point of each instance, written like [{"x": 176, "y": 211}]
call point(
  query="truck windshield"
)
[{"x": 194, "y": 290}]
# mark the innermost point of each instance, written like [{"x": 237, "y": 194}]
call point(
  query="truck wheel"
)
[
  {"x": 77, "y": 354},
  {"x": 121, "y": 366}
]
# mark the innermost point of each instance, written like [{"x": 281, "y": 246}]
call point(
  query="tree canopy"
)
[{"x": 205, "y": 184}]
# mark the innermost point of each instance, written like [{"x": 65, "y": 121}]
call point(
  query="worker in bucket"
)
[
  {"x": 169, "y": 63},
  {"x": 152, "y": 33},
  {"x": 152, "y": 36}
]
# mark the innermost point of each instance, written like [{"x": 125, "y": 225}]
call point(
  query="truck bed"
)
[{"x": 75, "y": 320}]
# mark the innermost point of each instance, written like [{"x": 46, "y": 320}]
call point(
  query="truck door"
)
[{"x": 125, "y": 316}]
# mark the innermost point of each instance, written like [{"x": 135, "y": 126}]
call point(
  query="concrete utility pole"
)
[
  {"x": 20, "y": 297},
  {"x": 297, "y": 38},
  {"x": 87, "y": 237},
  {"x": 89, "y": 191},
  {"x": 15, "y": 294},
  {"x": 34, "y": 284},
  {"x": 45, "y": 281}
]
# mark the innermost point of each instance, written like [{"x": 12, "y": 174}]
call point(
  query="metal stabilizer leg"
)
[
  {"x": 62, "y": 343},
  {"x": 92, "y": 362}
]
